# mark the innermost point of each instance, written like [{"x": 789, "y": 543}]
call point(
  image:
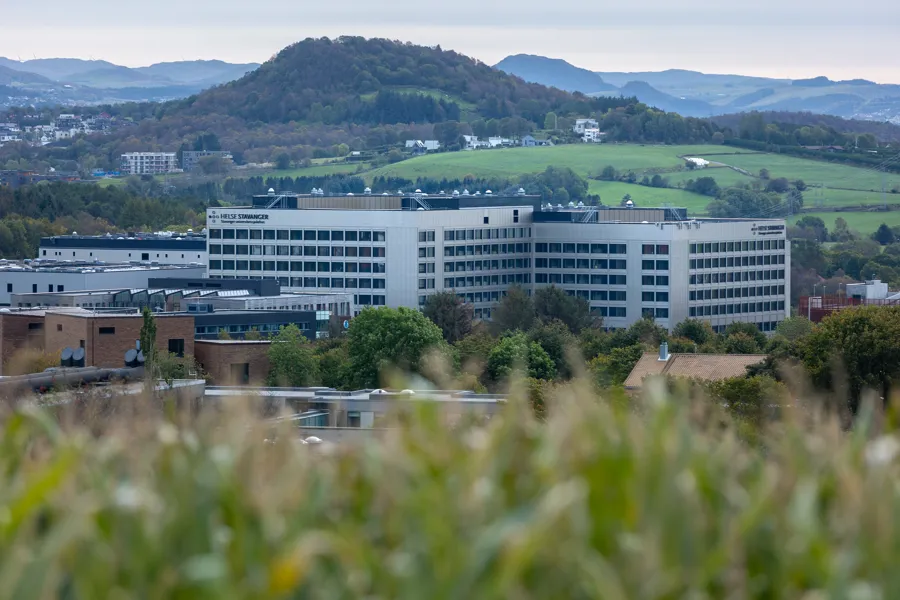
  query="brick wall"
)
[
  {"x": 18, "y": 332},
  {"x": 108, "y": 349},
  {"x": 218, "y": 356}
]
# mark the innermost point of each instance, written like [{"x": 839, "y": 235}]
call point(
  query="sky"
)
[{"x": 774, "y": 38}]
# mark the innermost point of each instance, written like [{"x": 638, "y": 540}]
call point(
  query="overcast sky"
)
[{"x": 778, "y": 38}]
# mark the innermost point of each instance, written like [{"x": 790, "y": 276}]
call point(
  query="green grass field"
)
[
  {"x": 813, "y": 172},
  {"x": 316, "y": 170},
  {"x": 863, "y": 222},
  {"x": 584, "y": 159},
  {"x": 611, "y": 192}
]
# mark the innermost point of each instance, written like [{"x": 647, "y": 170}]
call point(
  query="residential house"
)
[
  {"x": 701, "y": 367},
  {"x": 432, "y": 145},
  {"x": 415, "y": 146},
  {"x": 529, "y": 142},
  {"x": 473, "y": 143},
  {"x": 582, "y": 124},
  {"x": 593, "y": 136}
]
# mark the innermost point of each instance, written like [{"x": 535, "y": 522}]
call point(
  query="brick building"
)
[
  {"x": 107, "y": 337},
  {"x": 19, "y": 331},
  {"x": 234, "y": 362}
]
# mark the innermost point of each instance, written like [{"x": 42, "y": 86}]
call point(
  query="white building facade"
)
[
  {"x": 719, "y": 271},
  {"x": 149, "y": 163},
  {"x": 163, "y": 249}
]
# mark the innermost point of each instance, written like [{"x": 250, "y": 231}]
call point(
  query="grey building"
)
[
  {"x": 190, "y": 159},
  {"x": 22, "y": 277},
  {"x": 397, "y": 250}
]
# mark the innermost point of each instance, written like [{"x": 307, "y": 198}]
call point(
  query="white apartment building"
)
[
  {"x": 593, "y": 135},
  {"x": 396, "y": 250},
  {"x": 149, "y": 163}
]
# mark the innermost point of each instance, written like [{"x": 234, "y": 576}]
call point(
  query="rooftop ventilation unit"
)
[
  {"x": 271, "y": 191},
  {"x": 367, "y": 191},
  {"x": 521, "y": 192},
  {"x": 456, "y": 192}
]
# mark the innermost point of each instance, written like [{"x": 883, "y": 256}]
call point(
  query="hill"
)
[
  {"x": 684, "y": 106},
  {"x": 9, "y": 76},
  {"x": 322, "y": 80},
  {"x": 555, "y": 73}
]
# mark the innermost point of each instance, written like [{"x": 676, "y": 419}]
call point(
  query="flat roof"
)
[{"x": 61, "y": 266}]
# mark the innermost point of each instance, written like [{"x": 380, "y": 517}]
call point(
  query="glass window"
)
[
  {"x": 242, "y": 234},
  {"x": 378, "y": 236},
  {"x": 351, "y": 236},
  {"x": 268, "y": 234},
  {"x": 324, "y": 236},
  {"x": 215, "y": 234},
  {"x": 337, "y": 236},
  {"x": 309, "y": 235},
  {"x": 256, "y": 234},
  {"x": 365, "y": 236},
  {"x": 228, "y": 234}
]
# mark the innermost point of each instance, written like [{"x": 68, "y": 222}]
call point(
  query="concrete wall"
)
[
  {"x": 113, "y": 255},
  {"x": 217, "y": 357}
]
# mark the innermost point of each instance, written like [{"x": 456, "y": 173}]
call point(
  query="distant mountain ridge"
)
[{"x": 692, "y": 93}]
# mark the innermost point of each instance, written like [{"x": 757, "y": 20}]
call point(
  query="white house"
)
[
  {"x": 432, "y": 145},
  {"x": 495, "y": 142},
  {"x": 473, "y": 143},
  {"x": 582, "y": 124},
  {"x": 593, "y": 135}
]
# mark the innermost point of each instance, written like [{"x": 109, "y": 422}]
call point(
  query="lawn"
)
[
  {"x": 813, "y": 172},
  {"x": 319, "y": 170},
  {"x": 584, "y": 159},
  {"x": 611, "y": 193},
  {"x": 863, "y": 222}
]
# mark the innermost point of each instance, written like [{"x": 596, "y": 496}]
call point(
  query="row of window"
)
[
  {"x": 737, "y": 261},
  {"x": 580, "y": 279},
  {"x": 746, "y": 246},
  {"x": 655, "y": 280},
  {"x": 261, "y": 327},
  {"x": 256, "y": 250},
  {"x": 654, "y": 296},
  {"x": 486, "y": 249},
  {"x": 309, "y": 235},
  {"x": 296, "y": 266},
  {"x": 583, "y": 263},
  {"x": 656, "y": 313},
  {"x": 733, "y": 276},
  {"x": 655, "y": 249},
  {"x": 564, "y": 248},
  {"x": 735, "y": 309},
  {"x": 654, "y": 265},
  {"x": 474, "y": 298},
  {"x": 487, "y": 280},
  {"x": 487, "y": 265},
  {"x": 503, "y": 233},
  {"x": 746, "y": 292}
]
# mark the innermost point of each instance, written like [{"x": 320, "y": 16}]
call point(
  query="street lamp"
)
[{"x": 809, "y": 303}]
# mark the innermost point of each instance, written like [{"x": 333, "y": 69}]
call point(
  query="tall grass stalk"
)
[{"x": 616, "y": 499}]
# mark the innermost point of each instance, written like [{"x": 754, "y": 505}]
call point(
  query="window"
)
[
  {"x": 107, "y": 331},
  {"x": 8, "y": 287},
  {"x": 145, "y": 256},
  {"x": 60, "y": 288},
  {"x": 59, "y": 326},
  {"x": 176, "y": 347},
  {"x": 515, "y": 216}
]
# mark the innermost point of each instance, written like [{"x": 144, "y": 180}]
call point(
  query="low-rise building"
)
[
  {"x": 149, "y": 163},
  {"x": 165, "y": 248},
  {"x": 21, "y": 277},
  {"x": 700, "y": 367},
  {"x": 581, "y": 125},
  {"x": 593, "y": 136},
  {"x": 190, "y": 159}
]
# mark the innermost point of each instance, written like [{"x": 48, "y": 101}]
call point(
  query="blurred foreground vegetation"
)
[{"x": 663, "y": 496}]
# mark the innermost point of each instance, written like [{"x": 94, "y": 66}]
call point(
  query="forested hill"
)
[{"x": 335, "y": 81}]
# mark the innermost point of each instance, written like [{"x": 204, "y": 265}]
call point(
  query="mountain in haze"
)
[
  {"x": 72, "y": 80},
  {"x": 554, "y": 72},
  {"x": 700, "y": 94}
]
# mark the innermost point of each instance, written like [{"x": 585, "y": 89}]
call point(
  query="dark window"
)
[
  {"x": 60, "y": 288},
  {"x": 34, "y": 288},
  {"x": 486, "y": 220},
  {"x": 145, "y": 256},
  {"x": 107, "y": 331},
  {"x": 50, "y": 288},
  {"x": 8, "y": 287},
  {"x": 176, "y": 347},
  {"x": 59, "y": 326},
  {"x": 35, "y": 326}
]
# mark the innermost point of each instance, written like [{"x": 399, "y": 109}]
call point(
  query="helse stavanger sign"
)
[{"x": 233, "y": 218}]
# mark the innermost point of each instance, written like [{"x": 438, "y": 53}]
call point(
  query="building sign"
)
[{"x": 216, "y": 217}]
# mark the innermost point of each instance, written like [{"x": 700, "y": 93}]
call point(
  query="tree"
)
[
  {"x": 750, "y": 329},
  {"x": 705, "y": 186},
  {"x": 718, "y": 138},
  {"x": 609, "y": 173},
  {"x": 557, "y": 341},
  {"x": 253, "y": 335},
  {"x": 552, "y": 303},
  {"x": 550, "y": 120},
  {"x": 741, "y": 343},
  {"x": 382, "y": 338},
  {"x": 449, "y": 312},
  {"x": 814, "y": 224},
  {"x": 862, "y": 342},
  {"x": 646, "y": 331},
  {"x": 614, "y": 368},
  {"x": 283, "y": 161},
  {"x": 515, "y": 353},
  {"x": 514, "y": 311},
  {"x": 213, "y": 165},
  {"x": 699, "y": 332},
  {"x": 473, "y": 350},
  {"x": 292, "y": 362},
  {"x": 794, "y": 328},
  {"x": 148, "y": 348},
  {"x": 764, "y": 174},
  {"x": 334, "y": 366},
  {"x": 884, "y": 235}
]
